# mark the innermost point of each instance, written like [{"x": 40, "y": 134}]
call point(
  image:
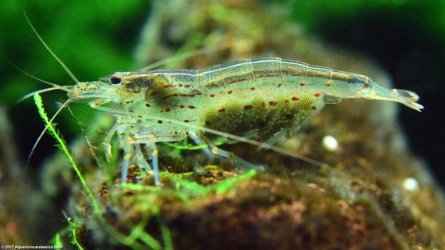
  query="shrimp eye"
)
[{"x": 115, "y": 79}]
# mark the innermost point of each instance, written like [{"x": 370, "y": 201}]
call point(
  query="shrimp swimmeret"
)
[{"x": 263, "y": 99}]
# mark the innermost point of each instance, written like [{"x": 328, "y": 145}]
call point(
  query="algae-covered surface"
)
[{"x": 368, "y": 192}]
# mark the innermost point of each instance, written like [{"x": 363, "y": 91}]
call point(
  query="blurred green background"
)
[
  {"x": 97, "y": 38},
  {"x": 93, "y": 38}
]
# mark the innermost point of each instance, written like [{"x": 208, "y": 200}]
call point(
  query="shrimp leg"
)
[
  {"x": 138, "y": 155},
  {"x": 213, "y": 150},
  {"x": 149, "y": 140},
  {"x": 154, "y": 161}
]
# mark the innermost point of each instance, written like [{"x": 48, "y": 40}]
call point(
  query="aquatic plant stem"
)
[
  {"x": 63, "y": 147},
  {"x": 126, "y": 240}
]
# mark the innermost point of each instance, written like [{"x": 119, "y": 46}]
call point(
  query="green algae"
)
[
  {"x": 63, "y": 147},
  {"x": 71, "y": 231}
]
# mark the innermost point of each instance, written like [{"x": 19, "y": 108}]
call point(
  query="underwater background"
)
[{"x": 404, "y": 38}]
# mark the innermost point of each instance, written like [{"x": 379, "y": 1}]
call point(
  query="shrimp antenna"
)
[
  {"x": 67, "y": 70},
  {"x": 54, "y": 86},
  {"x": 90, "y": 146},
  {"x": 31, "y": 75},
  {"x": 65, "y": 104},
  {"x": 37, "y": 92}
]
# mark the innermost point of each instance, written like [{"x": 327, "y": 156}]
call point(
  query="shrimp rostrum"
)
[{"x": 263, "y": 99}]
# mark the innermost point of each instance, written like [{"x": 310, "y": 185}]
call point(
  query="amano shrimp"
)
[
  {"x": 262, "y": 99},
  {"x": 256, "y": 101}
]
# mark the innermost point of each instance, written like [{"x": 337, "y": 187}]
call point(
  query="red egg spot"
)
[{"x": 273, "y": 103}]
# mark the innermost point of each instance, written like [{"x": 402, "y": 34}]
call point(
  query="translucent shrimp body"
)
[{"x": 264, "y": 99}]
